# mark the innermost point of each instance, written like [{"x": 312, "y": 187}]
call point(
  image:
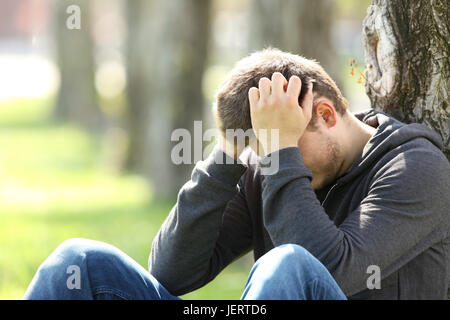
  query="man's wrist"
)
[
  {"x": 224, "y": 168},
  {"x": 230, "y": 149}
]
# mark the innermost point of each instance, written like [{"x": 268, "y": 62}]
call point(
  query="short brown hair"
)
[{"x": 233, "y": 105}]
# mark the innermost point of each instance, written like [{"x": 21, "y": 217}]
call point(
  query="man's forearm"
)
[
  {"x": 291, "y": 210},
  {"x": 182, "y": 251}
]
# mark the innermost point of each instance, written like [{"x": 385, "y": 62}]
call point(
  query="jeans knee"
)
[
  {"x": 290, "y": 272},
  {"x": 291, "y": 260},
  {"x": 72, "y": 247},
  {"x": 90, "y": 253},
  {"x": 77, "y": 247},
  {"x": 75, "y": 251},
  {"x": 289, "y": 251},
  {"x": 286, "y": 253}
]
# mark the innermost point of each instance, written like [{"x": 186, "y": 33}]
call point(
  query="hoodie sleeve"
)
[
  {"x": 207, "y": 229},
  {"x": 406, "y": 204}
]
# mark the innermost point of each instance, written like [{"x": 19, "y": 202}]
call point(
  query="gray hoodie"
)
[{"x": 391, "y": 210}]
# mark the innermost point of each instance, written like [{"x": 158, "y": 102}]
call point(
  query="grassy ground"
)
[{"x": 53, "y": 187}]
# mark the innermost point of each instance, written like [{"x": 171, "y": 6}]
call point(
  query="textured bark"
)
[
  {"x": 167, "y": 50},
  {"x": 302, "y": 27},
  {"x": 77, "y": 97},
  {"x": 407, "y": 61}
]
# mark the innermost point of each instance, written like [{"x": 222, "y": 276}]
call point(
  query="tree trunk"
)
[
  {"x": 299, "y": 26},
  {"x": 168, "y": 43},
  {"x": 407, "y": 61},
  {"x": 77, "y": 97}
]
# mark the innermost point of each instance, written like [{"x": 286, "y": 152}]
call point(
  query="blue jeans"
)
[{"x": 85, "y": 269}]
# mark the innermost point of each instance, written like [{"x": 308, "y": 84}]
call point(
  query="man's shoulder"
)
[
  {"x": 418, "y": 148},
  {"x": 417, "y": 162}
]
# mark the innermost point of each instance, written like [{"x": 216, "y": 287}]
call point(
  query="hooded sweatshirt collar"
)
[{"x": 390, "y": 134}]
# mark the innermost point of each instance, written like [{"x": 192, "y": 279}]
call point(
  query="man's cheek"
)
[{"x": 308, "y": 161}]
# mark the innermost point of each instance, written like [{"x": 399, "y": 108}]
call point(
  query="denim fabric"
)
[
  {"x": 290, "y": 272},
  {"x": 105, "y": 272}
]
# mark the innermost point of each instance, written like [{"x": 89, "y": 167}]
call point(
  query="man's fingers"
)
[
  {"x": 278, "y": 84},
  {"x": 294, "y": 88},
  {"x": 264, "y": 89},
  {"x": 253, "y": 96}
]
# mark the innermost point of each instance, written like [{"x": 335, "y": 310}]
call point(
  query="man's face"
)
[{"x": 322, "y": 155}]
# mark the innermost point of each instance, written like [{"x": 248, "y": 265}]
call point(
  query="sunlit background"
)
[{"x": 86, "y": 115}]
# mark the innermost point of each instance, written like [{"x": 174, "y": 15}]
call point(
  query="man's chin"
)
[
  {"x": 315, "y": 184},
  {"x": 318, "y": 184}
]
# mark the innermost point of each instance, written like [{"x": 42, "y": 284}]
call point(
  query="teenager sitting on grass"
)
[{"x": 351, "y": 194}]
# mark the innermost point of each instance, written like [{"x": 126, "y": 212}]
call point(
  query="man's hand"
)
[{"x": 274, "y": 106}]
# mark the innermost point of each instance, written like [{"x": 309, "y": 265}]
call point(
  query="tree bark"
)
[
  {"x": 407, "y": 61},
  {"x": 77, "y": 97},
  {"x": 302, "y": 27},
  {"x": 167, "y": 50}
]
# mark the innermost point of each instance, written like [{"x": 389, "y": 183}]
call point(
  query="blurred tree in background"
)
[
  {"x": 302, "y": 27},
  {"x": 167, "y": 54},
  {"x": 77, "y": 97}
]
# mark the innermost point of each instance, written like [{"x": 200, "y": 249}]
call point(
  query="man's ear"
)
[{"x": 325, "y": 111}]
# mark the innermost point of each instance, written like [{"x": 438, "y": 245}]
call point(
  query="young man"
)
[{"x": 357, "y": 208}]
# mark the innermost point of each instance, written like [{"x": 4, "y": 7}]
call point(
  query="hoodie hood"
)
[{"x": 390, "y": 134}]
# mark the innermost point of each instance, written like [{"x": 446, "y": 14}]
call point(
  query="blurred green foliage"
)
[{"x": 54, "y": 186}]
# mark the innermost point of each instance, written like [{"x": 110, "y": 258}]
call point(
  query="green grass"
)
[{"x": 54, "y": 186}]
